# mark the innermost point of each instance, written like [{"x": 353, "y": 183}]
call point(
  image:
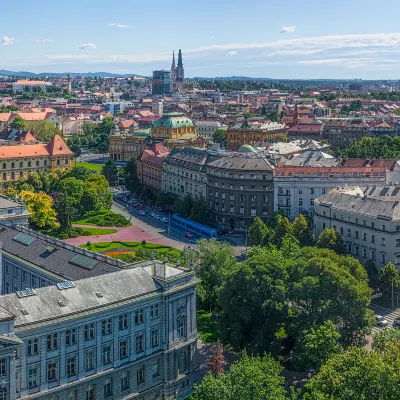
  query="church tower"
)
[
  {"x": 173, "y": 72},
  {"x": 179, "y": 73}
]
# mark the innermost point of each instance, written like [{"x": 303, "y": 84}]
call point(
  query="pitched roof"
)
[{"x": 57, "y": 146}]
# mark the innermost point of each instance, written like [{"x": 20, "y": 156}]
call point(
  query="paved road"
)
[{"x": 390, "y": 315}]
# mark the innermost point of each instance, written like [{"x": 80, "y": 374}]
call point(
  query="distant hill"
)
[{"x": 55, "y": 75}]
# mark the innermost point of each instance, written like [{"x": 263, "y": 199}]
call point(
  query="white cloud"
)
[
  {"x": 6, "y": 41},
  {"x": 117, "y": 25},
  {"x": 288, "y": 29},
  {"x": 232, "y": 53},
  {"x": 87, "y": 46},
  {"x": 44, "y": 41}
]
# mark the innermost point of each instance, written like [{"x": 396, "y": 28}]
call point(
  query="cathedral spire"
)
[
  {"x": 180, "y": 63},
  {"x": 173, "y": 60}
]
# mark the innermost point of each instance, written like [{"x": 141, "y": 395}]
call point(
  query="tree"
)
[
  {"x": 372, "y": 272},
  {"x": 216, "y": 261},
  {"x": 316, "y": 346},
  {"x": 35, "y": 180},
  {"x": 283, "y": 228},
  {"x": 250, "y": 378},
  {"x": 18, "y": 123},
  {"x": 216, "y": 362},
  {"x": 220, "y": 137},
  {"x": 78, "y": 172},
  {"x": 42, "y": 130},
  {"x": 330, "y": 238},
  {"x": 100, "y": 184},
  {"x": 73, "y": 189},
  {"x": 165, "y": 200},
  {"x": 199, "y": 211},
  {"x": 360, "y": 373},
  {"x": 110, "y": 171},
  {"x": 66, "y": 212},
  {"x": 257, "y": 231},
  {"x": 132, "y": 182},
  {"x": 389, "y": 280},
  {"x": 40, "y": 205},
  {"x": 302, "y": 231}
]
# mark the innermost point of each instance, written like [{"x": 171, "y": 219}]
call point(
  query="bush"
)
[{"x": 106, "y": 219}]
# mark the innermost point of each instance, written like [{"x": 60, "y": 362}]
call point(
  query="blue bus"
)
[{"x": 194, "y": 227}]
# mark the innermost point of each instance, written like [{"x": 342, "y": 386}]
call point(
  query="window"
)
[
  {"x": 383, "y": 242},
  {"x": 182, "y": 363},
  {"x": 70, "y": 337},
  {"x": 33, "y": 347},
  {"x": 397, "y": 242},
  {"x": 106, "y": 326},
  {"x": 383, "y": 258},
  {"x": 364, "y": 236},
  {"x": 356, "y": 220},
  {"x": 181, "y": 327},
  {"x": 3, "y": 394},
  {"x": 107, "y": 354},
  {"x": 356, "y": 251},
  {"x": 32, "y": 378},
  {"x": 323, "y": 190},
  {"x": 372, "y": 254},
  {"x": 125, "y": 381},
  {"x": 155, "y": 337},
  {"x": 123, "y": 322},
  {"x": 323, "y": 225},
  {"x": 140, "y": 375},
  {"x": 51, "y": 371},
  {"x": 356, "y": 234},
  {"x": 139, "y": 316},
  {"x": 90, "y": 360},
  {"x": 373, "y": 238},
  {"x": 372, "y": 225},
  {"x": 348, "y": 232},
  {"x": 300, "y": 201},
  {"x": 89, "y": 332},
  {"x": 139, "y": 343},
  {"x": 311, "y": 202},
  {"x": 16, "y": 270},
  {"x": 364, "y": 252},
  {"x": 24, "y": 276},
  {"x": 71, "y": 365},
  {"x": 3, "y": 366},
  {"x": 72, "y": 395},
  {"x": 365, "y": 222},
  {"x": 155, "y": 368},
  {"x": 123, "y": 349},
  {"x": 34, "y": 281},
  {"x": 397, "y": 228},
  {"x": 52, "y": 342},
  {"x": 108, "y": 388},
  {"x": 90, "y": 392},
  {"x": 383, "y": 227}
]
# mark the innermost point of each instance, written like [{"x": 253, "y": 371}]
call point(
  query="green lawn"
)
[
  {"x": 93, "y": 167},
  {"x": 103, "y": 217},
  {"x": 100, "y": 231},
  {"x": 207, "y": 327},
  {"x": 106, "y": 246}
]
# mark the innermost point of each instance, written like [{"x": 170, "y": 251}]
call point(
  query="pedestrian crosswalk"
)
[{"x": 389, "y": 315}]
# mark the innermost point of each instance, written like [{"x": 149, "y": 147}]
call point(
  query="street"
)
[{"x": 389, "y": 315}]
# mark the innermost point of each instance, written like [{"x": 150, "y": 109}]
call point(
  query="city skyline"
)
[{"x": 267, "y": 40}]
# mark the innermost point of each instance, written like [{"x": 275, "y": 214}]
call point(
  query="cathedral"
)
[{"x": 177, "y": 73}]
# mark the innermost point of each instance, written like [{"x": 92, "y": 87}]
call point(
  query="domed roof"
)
[
  {"x": 173, "y": 120},
  {"x": 246, "y": 148}
]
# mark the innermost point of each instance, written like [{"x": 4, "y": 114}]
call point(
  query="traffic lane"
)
[{"x": 176, "y": 233}]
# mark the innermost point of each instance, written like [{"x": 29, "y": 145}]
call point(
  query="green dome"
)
[
  {"x": 246, "y": 148},
  {"x": 173, "y": 120}
]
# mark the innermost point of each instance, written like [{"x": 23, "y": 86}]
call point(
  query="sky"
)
[{"x": 341, "y": 39}]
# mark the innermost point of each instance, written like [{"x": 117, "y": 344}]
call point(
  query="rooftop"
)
[{"x": 173, "y": 120}]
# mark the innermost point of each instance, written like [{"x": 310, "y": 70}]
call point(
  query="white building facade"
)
[
  {"x": 368, "y": 220},
  {"x": 208, "y": 128}
]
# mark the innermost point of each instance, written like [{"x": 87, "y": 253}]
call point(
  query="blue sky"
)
[{"x": 258, "y": 38}]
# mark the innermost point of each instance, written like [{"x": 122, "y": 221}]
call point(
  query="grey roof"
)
[
  {"x": 58, "y": 262},
  {"x": 5, "y": 203},
  {"x": 376, "y": 202},
  {"x": 241, "y": 162},
  {"x": 190, "y": 158},
  {"x": 44, "y": 305}
]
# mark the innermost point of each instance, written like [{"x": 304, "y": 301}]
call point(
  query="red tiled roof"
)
[{"x": 361, "y": 162}]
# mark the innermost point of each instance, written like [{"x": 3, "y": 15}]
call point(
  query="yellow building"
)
[
  {"x": 17, "y": 161},
  {"x": 172, "y": 126},
  {"x": 124, "y": 147}
]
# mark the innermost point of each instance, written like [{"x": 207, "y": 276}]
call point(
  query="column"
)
[
  {"x": 62, "y": 365},
  {"x": 81, "y": 352},
  {"x": 132, "y": 353},
  {"x": 147, "y": 331},
  {"x": 99, "y": 364},
  {"x": 115, "y": 333},
  {"x": 12, "y": 378},
  {"x": 43, "y": 363}
]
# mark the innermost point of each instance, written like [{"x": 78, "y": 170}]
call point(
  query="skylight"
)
[
  {"x": 24, "y": 238},
  {"x": 84, "y": 262},
  {"x": 26, "y": 292},
  {"x": 65, "y": 285}
]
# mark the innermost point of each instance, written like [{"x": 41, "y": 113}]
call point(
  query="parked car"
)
[
  {"x": 153, "y": 214},
  {"x": 164, "y": 220},
  {"x": 146, "y": 211},
  {"x": 141, "y": 212},
  {"x": 188, "y": 235},
  {"x": 396, "y": 323},
  {"x": 156, "y": 216},
  {"x": 381, "y": 321},
  {"x": 140, "y": 208}
]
